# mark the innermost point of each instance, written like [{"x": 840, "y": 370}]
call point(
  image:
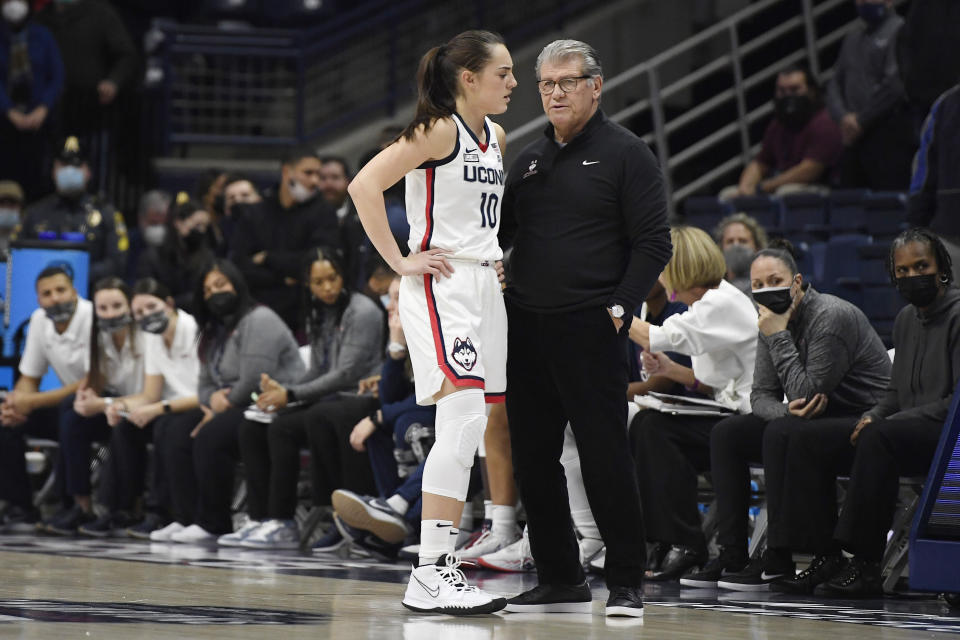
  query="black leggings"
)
[
  {"x": 174, "y": 459},
  {"x": 271, "y": 456}
]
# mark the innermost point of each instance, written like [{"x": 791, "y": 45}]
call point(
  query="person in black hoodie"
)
[
  {"x": 271, "y": 238},
  {"x": 899, "y": 435}
]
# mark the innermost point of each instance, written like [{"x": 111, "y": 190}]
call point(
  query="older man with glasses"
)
[{"x": 585, "y": 215}]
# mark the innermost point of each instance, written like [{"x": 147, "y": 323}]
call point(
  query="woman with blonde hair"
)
[{"x": 719, "y": 333}]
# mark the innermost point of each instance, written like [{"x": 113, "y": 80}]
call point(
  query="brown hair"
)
[{"x": 437, "y": 86}]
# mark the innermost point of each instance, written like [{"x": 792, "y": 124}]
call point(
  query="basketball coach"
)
[{"x": 585, "y": 215}]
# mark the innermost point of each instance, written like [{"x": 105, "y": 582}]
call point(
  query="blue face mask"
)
[
  {"x": 9, "y": 218},
  {"x": 871, "y": 13},
  {"x": 70, "y": 179}
]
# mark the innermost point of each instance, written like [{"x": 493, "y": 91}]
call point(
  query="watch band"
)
[{"x": 166, "y": 407}]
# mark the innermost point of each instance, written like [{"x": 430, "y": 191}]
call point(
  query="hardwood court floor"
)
[{"x": 56, "y": 588}]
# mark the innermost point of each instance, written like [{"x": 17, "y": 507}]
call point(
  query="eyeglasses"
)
[{"x": 566, "y": 84}]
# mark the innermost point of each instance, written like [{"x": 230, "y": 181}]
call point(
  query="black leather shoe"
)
[
  {"x": 655, "y": 555},
  {"x": 553, "y": 598},
  {"x": 625, "y": 601},
  {"x": 677, "y": 562},
  {"x": 822, "y": 568},
  {"x": 859, "y": 579}
]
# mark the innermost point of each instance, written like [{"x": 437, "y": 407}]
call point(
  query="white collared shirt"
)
[
  {"x": 179, "y": 365},
  {"x": 68, "y": 352},
  {"x": 123, "y": 370}
]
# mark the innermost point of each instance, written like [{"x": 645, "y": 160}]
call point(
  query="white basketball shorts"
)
[{"x": 456, "y": 328}]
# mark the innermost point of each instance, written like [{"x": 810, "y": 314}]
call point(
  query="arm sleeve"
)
[
  {"x": 205, "y": 385},
  {"x": 766, "y": 397},
  {"x": 122, "y": 52},
  {"x": 393, "y": 381},
  {"x": 363, "y": 336},
  {"x": 260, "y": 342},
  {"x": 824, "y": 144},
  {"x": 828, "y": 361},
  {"x": 938, "y": 409},
  {"x": 508, "y": 216},
  {"x": 766, "y": 155},
  {"x": 34, "y": 361},
  {"x": 703, "y": 328},
  {"x": 51, "y": 90},
  {"x": 836, "y": 105},
  {"x": 643, "y": 208},
  {"x": 889, "y": 92},
  {"x": 923, "y": 185},
  {"x": 393, "y": 410}
]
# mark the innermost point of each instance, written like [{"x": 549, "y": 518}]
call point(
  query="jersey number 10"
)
[{"x": 488, "y": 209}]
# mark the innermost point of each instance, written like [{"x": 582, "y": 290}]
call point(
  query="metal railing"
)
[
  {"x": 275, "y": 86},
  {"x": 810, "y": 32}
]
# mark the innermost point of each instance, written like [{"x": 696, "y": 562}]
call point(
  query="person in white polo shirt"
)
[
  {"x": 58, "y": 336},
  {"x": 168, "y": 396}
]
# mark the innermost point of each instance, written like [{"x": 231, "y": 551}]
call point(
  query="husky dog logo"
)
[{"x": 464, "y": 353}]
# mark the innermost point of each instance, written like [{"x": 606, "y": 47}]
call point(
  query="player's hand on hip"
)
[{"x": 432, "y": 261}]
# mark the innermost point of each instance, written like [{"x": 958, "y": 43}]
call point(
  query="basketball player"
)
[{"x": 451, "y": 305}]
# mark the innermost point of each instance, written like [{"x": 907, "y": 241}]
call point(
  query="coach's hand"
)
[
  {"x": 864, "y": 421},
  {"x": 431, "y": 261},
  {"x": 803, "y": 409}
]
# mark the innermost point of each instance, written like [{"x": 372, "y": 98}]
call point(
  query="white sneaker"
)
[
  {"x": 442, "y": 588},
  {"x": 514, "y": 558},
  {"x": 237, "y": 537},
  {"x": 164, "y": 535},
  {"x": 596, "y": 565},
  {"x": 488, "y": 542},
  {"x": 192, "y": 535},
  {"x": 274, "y": 534},
  {"x": 590, "y": 550}
]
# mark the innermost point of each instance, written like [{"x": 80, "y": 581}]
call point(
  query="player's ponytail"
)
[{"x": 437, "y": 84}]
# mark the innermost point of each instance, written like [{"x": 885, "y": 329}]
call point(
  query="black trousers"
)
[
  {"x": 739, "y": 441},
  {"x": 885, "y": 450},
  {"x": 882, "y": 158},
  {"x": 572, "y": 367},
  {"x": 669, "y": 452},
  {"x": 216, "y": 451},
  {"x": 124, "y": 476},
  {"x": 15, "y": 485},
  {"x": 174, "y": 459},
  {"x": 271, "y": 456},
  {"x": 77, "y": 435}
]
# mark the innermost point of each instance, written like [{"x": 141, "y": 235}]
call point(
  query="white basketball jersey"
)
[{"x": 454, "y": 203}]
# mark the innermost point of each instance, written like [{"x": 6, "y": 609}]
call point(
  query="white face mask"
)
[
  {"x": 15, "y": 11},
  {"x": 300, "y": 193},
  {"x": 154, "y": 234},
  {"x": 9, "y": 218},
  {"x": 385, "y": 300}
]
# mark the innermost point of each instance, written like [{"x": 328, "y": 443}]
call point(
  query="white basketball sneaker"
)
[
  {"x": 442, "y": 588},
  {"x": 488, "y": 542},
  {"x": 515, "y": 558}
]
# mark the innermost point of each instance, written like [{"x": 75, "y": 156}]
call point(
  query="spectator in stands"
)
[
  {"x": 272, "y": 238},
  {"x": 58, "y": 337},
  {"x": 740, "y": 229},
  {"x": 74, "y": 215},
  {"x": 115, "y": 369},
  {"x": 100, "y": 61},
  {"x": 334, "y": 179},
  {"x": 719, "y": 333},
  {"x": 31, "y": 80},
  {"x": 237, "y": 190},
  {"x": 865, "y": 97},
  {"x": 738, "y": 258},
  {"x": 169, "y": 392},
  {"x": 897, "y": 437},
  {"x": 240, "y": 341},
  {"x": 345, "y": 331},
  {"x": 935, "y": 187},
  {"x": 11, "y": 209},
  {"x": 189, "y": 245},
  {"x": 822, "y": 354},
  {"x": 208, "y": 191},
  {"x": 800, "y": 146},
  {"x": 151, "y": 227}
]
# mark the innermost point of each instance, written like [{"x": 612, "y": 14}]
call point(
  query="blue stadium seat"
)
[
  {"x": 804, "y": 216},
  {"x": 704, "y": 212},
  {"x": 841, "y": 268},
  {"x": 848, "y": 210},
  {"x": 886, "y": 215},
  {"x": 765, "y": 209},
  {"x": 873, "y": 264},
  {"x": 881, "y": 304}
]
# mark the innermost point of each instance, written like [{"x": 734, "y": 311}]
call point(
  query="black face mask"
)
[
  {"x": 794, "y": 111},
  {"x": 777, "y": 299},
  {"x": 223, "y": 304},
  {"x": 117, "y": 323},
  {"x": 61, "y": 312},
  {"x": 920, "y": 291},
  {"x": 195, "y": 239},
  {"x": 156, "y": 322}
]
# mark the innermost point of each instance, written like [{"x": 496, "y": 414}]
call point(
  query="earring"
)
[{"x": 944, "y": 278}]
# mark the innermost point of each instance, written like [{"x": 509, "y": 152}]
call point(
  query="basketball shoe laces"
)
[{"x": 452, "y": 575}]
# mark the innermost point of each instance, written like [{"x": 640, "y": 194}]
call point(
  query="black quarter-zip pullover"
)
[{"x": 587, "y": 222}]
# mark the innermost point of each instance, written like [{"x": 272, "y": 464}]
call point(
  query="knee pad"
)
[{"x": 460, "y": 422}]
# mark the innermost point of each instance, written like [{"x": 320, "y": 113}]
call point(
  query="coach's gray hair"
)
[{"x": 560, "y": 50}]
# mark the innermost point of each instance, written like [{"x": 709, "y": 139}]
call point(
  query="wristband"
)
[
  {"x": 291, "y": 396},
  {"x": 396, "y": 347},
  {"x": 166, "y": 407},
  {"x": 694, "y": 387}
]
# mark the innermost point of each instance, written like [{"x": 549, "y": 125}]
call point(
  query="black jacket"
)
[
  {"x": 935, "y": 187},
  {"x": 286, "y": 235},
  {"x": 587, "y": 222}
]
